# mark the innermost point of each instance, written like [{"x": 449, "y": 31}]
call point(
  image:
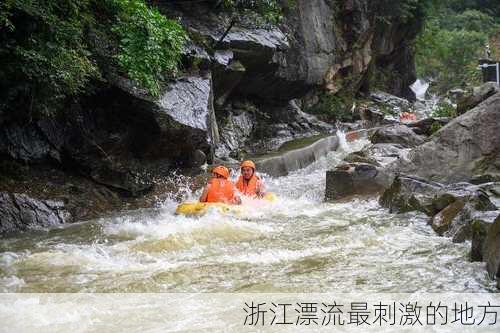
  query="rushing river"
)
[{"x": 297, "y": 244}]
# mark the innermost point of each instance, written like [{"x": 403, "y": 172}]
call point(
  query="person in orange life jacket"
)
[
  {"x": 220, "y": 188},
  {"x": 249, "y": 183}
]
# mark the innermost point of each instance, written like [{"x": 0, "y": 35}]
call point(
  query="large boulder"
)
[
  {"x": 394, "y": 103},
  {"x": 478, "y": 95},
  {"x": 20, "y": 212},
  {"x": 427, "y": 126},
  {"x": 480, "y": 227},
  {"x": 120, "y": 137},
  {"x": 408, "y": 193},
  {"x": 465, "y": 148},
  {"x": 355, "y": 179},
  {"x": 398, "y": 134},
  {"x": 492, "y": 250},
  {"x": 385, "y": 153}
]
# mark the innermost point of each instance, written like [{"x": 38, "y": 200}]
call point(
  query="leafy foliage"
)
[
  {"x": 270, "y": 10},
  {"x": 444, "y": 109},
  {"x": 47, "y": 57},
  {"x": 333, "y": 107},
  {"x": 452, "y": 41},
  {"x": 45, "y": 53},
  {"x": 436, "y": 126},
  {"x": 403, "y": 10},
  {"x": 150, "y": 44}
]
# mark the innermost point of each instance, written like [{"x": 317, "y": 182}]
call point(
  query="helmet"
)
[
  {"x": 221, "y": 170},
  {"x": 247, "y": 163}
]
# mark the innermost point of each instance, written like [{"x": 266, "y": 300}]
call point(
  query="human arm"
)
[
  {"x": 204, "y": 194},
  {"x": 260, "y": 189}
]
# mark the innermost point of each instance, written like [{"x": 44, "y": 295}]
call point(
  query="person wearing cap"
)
[
  {"x": 249, "y": 183},
  {"x": 220, "y": 188}
]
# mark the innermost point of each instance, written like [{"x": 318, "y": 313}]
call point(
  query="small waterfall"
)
[
  {"x": 420, "y": 87},
  {"x": 343, "y": 145}
]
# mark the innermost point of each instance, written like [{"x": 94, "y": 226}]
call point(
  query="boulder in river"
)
[
  {"x": 478, "y": 95},
  {"x": 481, "y": 225},
  {"x": 20, "y": 212},
  {"x": 397, "y": 104},
  {"x": 385, "y": 153},
  {"x": 408, "y": 193},
  {"x": 492, "y": 250},
  {"x": 398, "y": 134},
  {"x": 355, "y": 179},
  {"x": 467, "y": 147}
]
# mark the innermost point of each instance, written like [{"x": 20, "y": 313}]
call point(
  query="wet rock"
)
[
  {"x": 480, "y": 226},
  {"x": 396, "y": 104},
  {"x": 198, "y": 158},
  {"x": 492, "y": 249},
  {"x": 398, "y": 134},
  {"x": 187, "y": 101},
  {"x": 20, "y": 212},
  {"x": 479, "y": 94},
  {"x": 386, "y": 153},
  {"x": 412, "y": 194},
  {"x": 456, "y": 94},
  {"x": 27, "y": 143},
  {"x": 408, "y": 193},
  {"x": 356, "y": 179},
  {"x": 467, "y": 146},
  {"x": 371, "y": 116},
  {"x": 425, "y": 126},
  {"x": 361, "y": 157},
  {"x": 484, "y": 178},
  {"x": 442, "y": 220},
  {"x": 235, "y": 133}
]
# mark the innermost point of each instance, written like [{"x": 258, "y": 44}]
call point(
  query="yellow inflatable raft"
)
[{"x": 201, "y": 208}]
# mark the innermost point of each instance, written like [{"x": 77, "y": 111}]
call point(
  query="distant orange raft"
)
[
  {"x": 407, "y": 117},
  {"x": 201, "y": 208}
]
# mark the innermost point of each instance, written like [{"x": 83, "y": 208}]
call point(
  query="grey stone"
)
[
  {"x": 492, "y": 249},
  {"x": 398, "y": 134},
  {"x": 19, "y": 212},
  {"x": 408, "y": 193},
  {"x": 479, "y": 94},
  {"x": 355, "y": 179},
  {"x": 467, "y": 146}
]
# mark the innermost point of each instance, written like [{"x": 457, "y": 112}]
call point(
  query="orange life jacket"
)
[
  {"x": 220, "y": 190},
  {"x": 248, "y": 188}
]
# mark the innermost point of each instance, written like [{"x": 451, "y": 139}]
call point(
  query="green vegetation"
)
[
  {"x": 435, "y": 127},
  {"x": 44, "y": 52},
  {"x": 333, "y": 107},
  {"x": 48, "y": 55},
  {"x": 453, "y": 39},
  {"x": 406, "y": 11},
  {"x": 269, "y": 10},
  {"x": 150, "y": 44},
  {"x": 444, "y": 109}
]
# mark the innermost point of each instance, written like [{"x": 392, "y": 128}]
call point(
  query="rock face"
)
[
  {"x": 397, "y": 134},
  {"x": 20, "y": 212},
  {"x": 465, "y": 148},
  {"x": 355, "y": 179},
  {"x": 120, "y": 138}
]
